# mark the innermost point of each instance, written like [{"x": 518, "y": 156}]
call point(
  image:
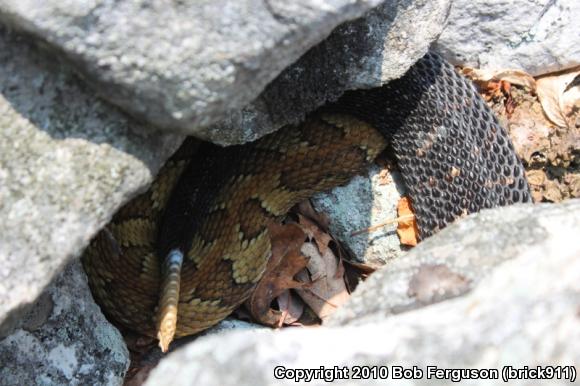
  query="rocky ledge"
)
[{"x": 95, "y": 95}]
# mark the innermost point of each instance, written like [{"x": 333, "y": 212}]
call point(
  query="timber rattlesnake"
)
[{"x": 212, "y": 206}]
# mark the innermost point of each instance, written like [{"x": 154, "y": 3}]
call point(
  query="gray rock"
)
[
  {"x": 67, "y": 162},
  {"x": 230, "y": 324},
  {"x": 227, "y": 325},
  {"x": 145, "y": 362},
  {"x": 181, "y": 64},
  {"x": 537, "y": 36},
  {"x": 186, "y": 66},
  {"x": 522, "y": 313},
  {"x": 364, "y": 53},
  {"x": 448, "y": 265},
  {"x": 362, "y": 203},
  {"x": 64, "y": 340}
]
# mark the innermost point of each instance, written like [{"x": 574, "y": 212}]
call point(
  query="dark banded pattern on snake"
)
[{"x": 215, "y": 204}]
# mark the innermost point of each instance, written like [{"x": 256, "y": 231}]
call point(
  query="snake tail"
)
[{"x": 169, "y": 299}]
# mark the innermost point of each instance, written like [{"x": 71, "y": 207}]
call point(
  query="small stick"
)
[{"x": 378, "y": 226}]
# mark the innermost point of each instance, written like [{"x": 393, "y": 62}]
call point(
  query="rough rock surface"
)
[
  {"x": 523, "y": 312},
  {"x": 454, "y": 262},
  {"x": 185, "y": 65},
  {"x": 142, "y": 364},
  {"x": 64, "y": 340},
  {"x": 67, "y": 162},
  {"x": 363, "y": 202},
  {"x": 181, "y": 64},
  {"x": 537, "y": 36}
]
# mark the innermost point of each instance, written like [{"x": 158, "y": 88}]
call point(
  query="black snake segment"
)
[{"x": 205, "y": 218}]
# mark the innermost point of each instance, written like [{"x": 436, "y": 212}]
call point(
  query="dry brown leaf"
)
[
  {"x": 326, "y": 289},
  {"x": 285, "y": 263},
  {"x": 384, "y": 177},
  {"x": 496, "y": 84},
  {"x": 558, "y": 99},
  {"x": 517, "y": 77},
  {"x": 407, "y": 229},
  {"x": 314, "y": 232},
  {"x": 505, "y": 90},
  {"x": 355, "y": 273},
  {"x": 242, "y": 313},
  {"x": 306, "y": 209},
  {"x": 536, "y": 177},
  {"x": 291, "y": 308}
]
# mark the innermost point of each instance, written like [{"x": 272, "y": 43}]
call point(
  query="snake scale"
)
[{"x": 184, "y": 254}]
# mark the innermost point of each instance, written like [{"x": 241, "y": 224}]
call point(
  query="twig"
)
[{"x": 378, "y": 226}]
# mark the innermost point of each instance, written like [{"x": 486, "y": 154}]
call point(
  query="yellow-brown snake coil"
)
[{"x": 181, "y": 256}]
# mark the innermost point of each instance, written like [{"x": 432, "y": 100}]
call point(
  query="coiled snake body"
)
[{"x": 213, "y": 206}]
